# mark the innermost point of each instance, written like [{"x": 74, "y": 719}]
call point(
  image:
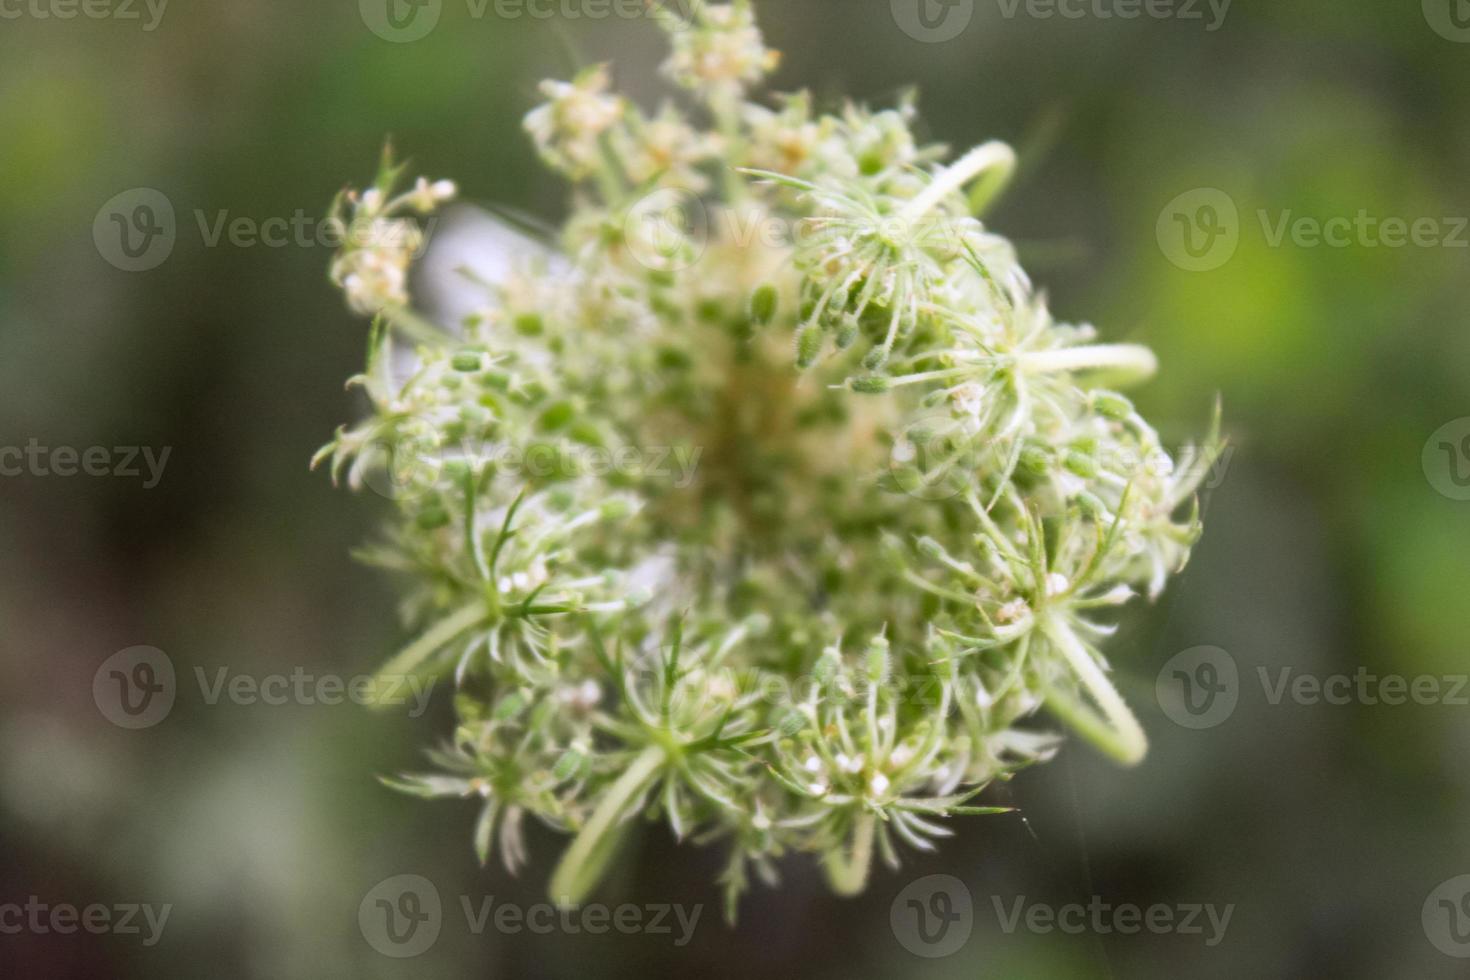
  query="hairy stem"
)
[
  {"x": 387, "y": 680},
  {"x": 583, "y": 864},
  {"x": 987, "y": 156},
  {"x": 1117, "y": 732},
  {"x": 848, "y": 873}
]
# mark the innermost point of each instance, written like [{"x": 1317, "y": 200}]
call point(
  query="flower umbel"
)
[{"x": 918, "y": 500}]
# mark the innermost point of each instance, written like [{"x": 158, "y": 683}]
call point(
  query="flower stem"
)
[
  {"x": 1117, "y": 732},
  {"x": 388, "y": 680},
  {"x": 583, "y": 864},
  {"x": 848, "y": 874}
]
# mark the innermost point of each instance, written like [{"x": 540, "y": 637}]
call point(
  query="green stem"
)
[
  {"x": 583, "y": 864},
  {"x": 1117, "y": 731},
  {"x": 848, "y": 873},
  {"x": 415, "y": 327},
  {"x": 411, "y": 656}
]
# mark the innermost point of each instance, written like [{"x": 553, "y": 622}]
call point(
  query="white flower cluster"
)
[
  {"x": 373, "y": 269},
  {"x": 912, "y": 512}
]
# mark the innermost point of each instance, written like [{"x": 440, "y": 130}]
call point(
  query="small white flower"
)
[
  {"x": 722, "y": 52},
  {"x": 568, "y": 127},
  {"x": 1012, "y": 612}
]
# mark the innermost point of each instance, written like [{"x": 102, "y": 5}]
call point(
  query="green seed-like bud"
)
[
  {"x": 508, "y": 707},
  {"x": 763, "y": 305},
  {"x": 1111, "y": 405},
  {"x": 1034, "y": 461},
  {"x": 467, "y": 361},
  {"x": 930, "y": 548},
  {"x": 432, "y": 520},
  {"x": 871, "y": 385},
  {"x": 615, "y": 509},
  {"x": 457, "y": 471},
  {"x": 1081, "y": 464},
  {"x": 1090, "y": 505},
  {"x": 568, "y": 765},
  {"x": 828, "y": 666},
  {"x": 557, "y": 416},
  {"x": 808, "y": 346},
  {"x": 847, "y": 333},
  {"x": 875, "y": 358},
  {"x": 791, "y": 723},
  {"x": 879, "y": 663},
  {"x": 530, "y": 325},
  {"x": 985, "y": 547}
]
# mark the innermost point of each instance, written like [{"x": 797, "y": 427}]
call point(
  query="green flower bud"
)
[
  {"x": 808, "y": 346},
  {"x": 763, "y": 305},
  {"x": 1081, "y": 464},
  {"x": 871, "y": 385},
  {"x": 1111, "y": 405}
]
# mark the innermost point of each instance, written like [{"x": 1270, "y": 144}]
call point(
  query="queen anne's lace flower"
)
[{"x": 909, "y": 502}]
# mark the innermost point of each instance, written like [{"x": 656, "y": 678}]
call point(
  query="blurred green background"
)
[{"x": 1332, "y": 542}]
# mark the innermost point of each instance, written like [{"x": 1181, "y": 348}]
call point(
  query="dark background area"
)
[{"x": 1330, "y": 545}]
